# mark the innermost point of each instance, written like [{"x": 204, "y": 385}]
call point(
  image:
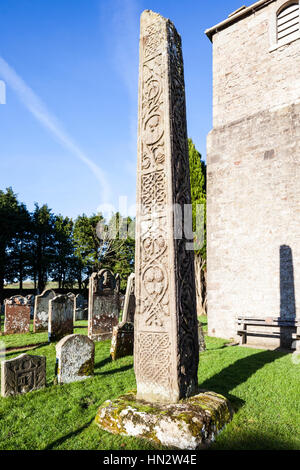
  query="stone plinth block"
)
[
  {"x": 41, "y": 311},
  {"x": 75, "y": 356},
  {"x": 190, "y": 424},
  {"x": 22, "y": 374},
  {"x": 61, "y": 314},
  {"x": 17, "y": 315},
  {"x": 122, "y": 340}
]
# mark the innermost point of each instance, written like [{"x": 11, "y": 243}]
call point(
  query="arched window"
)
[{"x": 288, "y": 22}]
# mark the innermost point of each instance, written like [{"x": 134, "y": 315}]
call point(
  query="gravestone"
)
[
  {"x": 61, "y": 313},
  {"x": 22, "y": 374},
  {"x": 79, "y": 312},
  {"x": 129, "y": 303},
  {"x": 41, "y": 311},
  {"x": 17, "y": 315},
  {"x": 104, "y": 305},
  {"x": 75, "y": 355},
  {"x": 202, "y": 346},
  {"x": 122, "y": 340},
  {"x": 31, "y": 298},
  {"x": 167, "y": 407}
]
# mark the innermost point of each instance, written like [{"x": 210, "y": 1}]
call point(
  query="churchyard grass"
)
[{"x": 263, "y": 387}]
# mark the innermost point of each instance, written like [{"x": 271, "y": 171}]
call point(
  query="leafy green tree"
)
[
  {"x": 42, "y": 245},
  {"x": 9, "y": 225},
  {"x": 198, "y": 192},
  {"x": 64, "y": 251}
]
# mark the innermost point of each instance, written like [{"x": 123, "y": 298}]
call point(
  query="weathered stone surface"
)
[
  {"x": 166, "y": 350},
  {"x": 31, "y": 299},
  {"x": 104, "y": 305},
  {"x": 61, "y": 313},
  {"x": 191, "y": 424},
  {"x": 201, "y": 338},
  {"x": 41, "y": 311},
  {"x": 122, "y": 340},
  {"x": 80, "y": 310},
  {"x": 75, "y": 356},
  {"x": 17, "y": 315},
  {"x": 22, "y": 374},
  {"x": 253, "y": 154},
  {"x": 129, "y": 303}
]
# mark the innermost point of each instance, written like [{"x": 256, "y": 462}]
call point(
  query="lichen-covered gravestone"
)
[
  {"x": 17, "y": 315},
  {"x": 41, "y": 311},
  {"x": 167, "y": 408},
  {"x": 104, "y": 305},
  {"x": 61, "y": 313},
  {"x": 30, "y": 298},
  {"x": 75, "y": 356},
  {"x": 122, "y": 340},
  {"x": 22, "y": 374},
  {"x": 129, "y": 303}
]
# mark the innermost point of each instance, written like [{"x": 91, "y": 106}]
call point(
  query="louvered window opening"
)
[{"x": 288, "y": 21}]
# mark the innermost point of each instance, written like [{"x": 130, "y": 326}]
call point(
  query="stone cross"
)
[
  {"x": 41, "y": 310},
  {"x": 129, "y": 303},
  {"x": 166, "y": 351},
  {"x": 17, "y": 315}
]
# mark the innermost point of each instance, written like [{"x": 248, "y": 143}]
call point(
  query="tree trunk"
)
[{"x": 200, "y": 279}]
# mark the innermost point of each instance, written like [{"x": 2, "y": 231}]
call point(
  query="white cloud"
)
[{"x": 35, "y": 105}]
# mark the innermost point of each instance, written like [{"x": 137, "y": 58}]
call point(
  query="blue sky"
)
[{"x": 68, "y": 128}]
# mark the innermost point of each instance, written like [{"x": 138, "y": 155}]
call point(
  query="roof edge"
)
[{"x": 236, "y": 17}]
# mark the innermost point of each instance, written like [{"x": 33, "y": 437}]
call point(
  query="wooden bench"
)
[{"x": 271, "y": 322}]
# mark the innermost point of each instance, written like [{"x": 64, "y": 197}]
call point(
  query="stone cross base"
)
[{"x": 190, "y": 424}]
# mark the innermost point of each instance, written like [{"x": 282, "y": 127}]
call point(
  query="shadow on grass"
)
[
  {"x": 238, "y": 373},
  {"x": 103, "y": 363},
  {"x": 114, "y": 371},
  {"x": 61, "y": 440},
  {"x": 253, "y": 441}
]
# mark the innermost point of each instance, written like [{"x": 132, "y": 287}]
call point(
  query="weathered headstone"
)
[
  {"x": 41, "y": 310},
  {"x": 61, "y": 313},
  {"x": 17, "y": 315},
  {"x": 104, "y": 305},
  {"x": 122, "y": 340},
  {"x": 22, "y": 374},
  {"x": 75, "y": 355},
  {"x": 202, "y": 346},
  {"x": 166, "y": 349},
  {"x": 79, "y": 308},
  {"x": 129, "y": 303},
  {"x": 31, "y": 298}
]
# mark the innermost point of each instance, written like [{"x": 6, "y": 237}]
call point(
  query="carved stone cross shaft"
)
[{"x": 166, "y": 337}]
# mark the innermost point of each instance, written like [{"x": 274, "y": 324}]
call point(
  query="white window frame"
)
[{"x": 275, "y": 10}]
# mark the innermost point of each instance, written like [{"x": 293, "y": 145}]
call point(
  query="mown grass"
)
[{"x": 263, "y": 387}]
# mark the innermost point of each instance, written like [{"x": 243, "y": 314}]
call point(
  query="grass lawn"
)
[{"x": 263, "y": 387}]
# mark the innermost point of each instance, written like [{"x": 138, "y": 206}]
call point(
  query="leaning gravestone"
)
[
  {"x": 17, "y": 315},
  {"x": 61, "y": 312},
  {"x": 104, "y": 305},
  {"x": 122, "y": 340},
  {"x": 75, "y": 355},
  {"x": 129, "y": 303},
  {"x": 41, "y": 311},
  {"x": 22, "y": 374},
  {"x": 166, "y": 407}
]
